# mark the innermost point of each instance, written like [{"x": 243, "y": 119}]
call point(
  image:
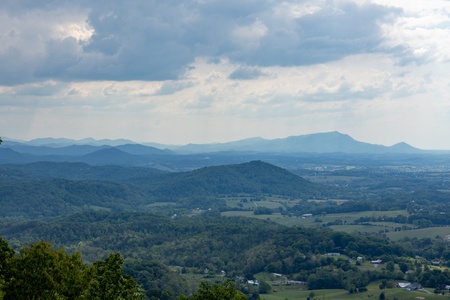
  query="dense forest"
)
[
  {"x": 153, "y": 229},
  {"x": 240, "y": 246}
]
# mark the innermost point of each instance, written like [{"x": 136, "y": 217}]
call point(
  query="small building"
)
[
  {"x": 403, "y": 284},
  {"x": 413, "y": 287},
  {"x": 408, "y": 286},
  {"x": 294, "y": 282},
  {"x": 253, "y": 282},
  {"x": 376, "y": 262}
]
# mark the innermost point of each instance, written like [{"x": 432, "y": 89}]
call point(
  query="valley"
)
[{"x": 319, "y": 219}]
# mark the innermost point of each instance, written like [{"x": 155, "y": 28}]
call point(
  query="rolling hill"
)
[
  {"x": 254, "y": 178},
  {"x": 49, "y": 189}
]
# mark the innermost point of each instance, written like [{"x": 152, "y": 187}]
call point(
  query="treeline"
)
[{"x": 419, "y": 220}]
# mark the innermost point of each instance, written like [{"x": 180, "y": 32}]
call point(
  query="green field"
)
[
  {"x": 247, "y": 202},
  {"x": 431, "y": 232},
  {"x": 373, "y": 293},
  {"x": 284, "y": 292},
  {"x": 346, "y": 220}
]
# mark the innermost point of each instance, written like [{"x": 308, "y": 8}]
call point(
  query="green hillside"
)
[
  {"x": 253, "y": 178},
  {"x": 48, "y": 189}
]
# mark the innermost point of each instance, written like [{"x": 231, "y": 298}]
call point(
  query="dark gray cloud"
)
[
  {"x": 329, "y": 34},
  {"x": 158, "y": 40}
]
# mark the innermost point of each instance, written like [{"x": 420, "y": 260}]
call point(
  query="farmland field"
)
[{"x": 346, "y": 223}]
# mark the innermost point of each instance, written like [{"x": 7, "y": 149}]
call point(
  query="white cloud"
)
[
  {"x": 248, "y": 37},
  {"x": 422, "y": 32}
]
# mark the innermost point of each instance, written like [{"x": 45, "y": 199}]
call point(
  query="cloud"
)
[
  {"x": 328, "y": 33},
  {"x": 159, "y": 40},
  {"x": 420, "y": 34},
  {"x": 171, "y": 87},
  {"x": 238, "y": 67},
  {"x": 247, "y": 73}
]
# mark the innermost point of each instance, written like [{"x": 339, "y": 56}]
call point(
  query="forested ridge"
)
[{"x": 52, "y": 189}]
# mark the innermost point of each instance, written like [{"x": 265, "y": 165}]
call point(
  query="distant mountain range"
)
[
  {"x": 61, "y": 142},
  {"x": 188, "y": 157},
  {"x": 328, "y": 142}
]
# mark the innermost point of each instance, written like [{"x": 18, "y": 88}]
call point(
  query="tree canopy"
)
[
  {"x": 221, "y": 291},
  {"x": 41, "y": 272}
]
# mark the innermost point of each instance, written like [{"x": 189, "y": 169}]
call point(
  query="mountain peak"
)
[{"x": 404, "y": 147}]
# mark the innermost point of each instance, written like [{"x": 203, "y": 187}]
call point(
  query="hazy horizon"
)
[
  {"x": 201, "y": 72},
  {"x": 87, "y": 139}
]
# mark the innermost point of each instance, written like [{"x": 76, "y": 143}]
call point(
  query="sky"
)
[{"x": 202, "y": 71}]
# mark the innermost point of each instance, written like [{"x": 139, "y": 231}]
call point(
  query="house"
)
[
  {"x": 333, "y": 254},
  {"x": 413, "y": 287},
  {"x": 402, "y": 285},
  {"x": 360, "y": 258},
  {"x": 376, "y": 262},
  {"x": 253, "y": 282},
  {"x": 295, "y": 282},
  {"x": 408, "y": 286}
]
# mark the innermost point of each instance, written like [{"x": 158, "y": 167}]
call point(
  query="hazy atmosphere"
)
[{"x": 199, "y": 71}]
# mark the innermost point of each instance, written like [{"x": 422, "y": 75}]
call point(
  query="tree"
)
[
  {"x": 223, "y": 291},
  {"x": 390, "y": 266},
  {"x": 5, "y": 254},
  {"x": 39, "y": 272},
  {"x": 1, "y": 141},
  {"x": 403, "y": 267},
  {"x": 156, "y": 279},
  {"x": 106, "y": 280},
  {"x": 264, "y": 287}
]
